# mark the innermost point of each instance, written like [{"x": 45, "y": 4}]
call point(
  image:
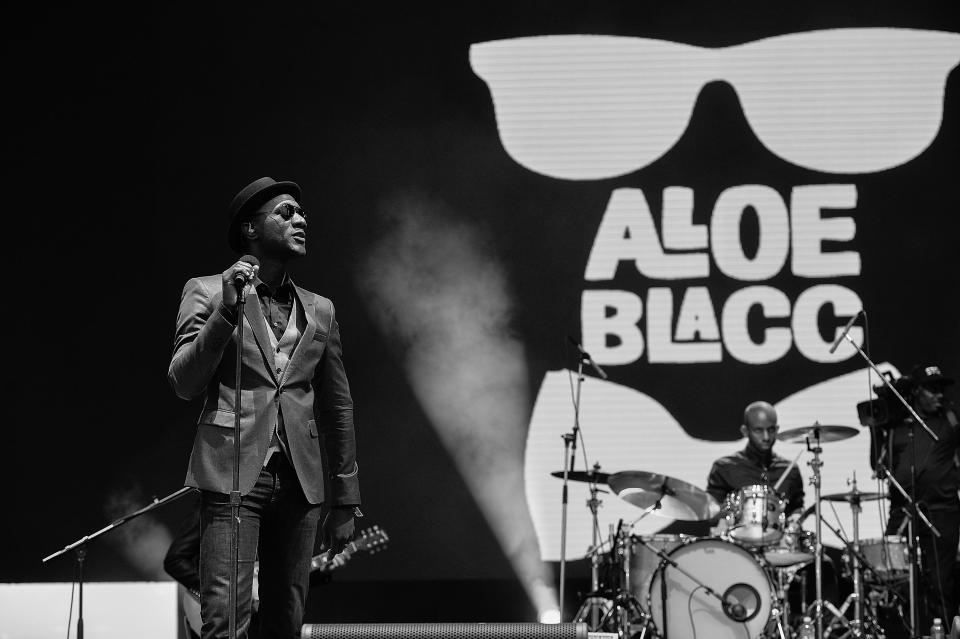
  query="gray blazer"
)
[{"x": 312, "y": 392}]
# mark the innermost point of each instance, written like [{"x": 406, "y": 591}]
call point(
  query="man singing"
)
[{"x": 294, "y": 388}]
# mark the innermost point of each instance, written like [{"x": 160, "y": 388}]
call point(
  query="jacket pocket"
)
[
  {"x": 320, "y": 336},
  {"x": 312, "y": 428},
  {"x": 222, "y": 418}
]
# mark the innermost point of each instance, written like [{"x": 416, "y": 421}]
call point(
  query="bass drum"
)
[{"x": 731, "y": 572}]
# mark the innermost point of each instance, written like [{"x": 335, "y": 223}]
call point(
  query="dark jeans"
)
[
  {"x": 939, "y": 556},
  {"x": 277, "y": 520}
]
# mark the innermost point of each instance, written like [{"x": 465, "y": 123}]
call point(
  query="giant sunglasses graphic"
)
[{"x": 583, "y": 107}]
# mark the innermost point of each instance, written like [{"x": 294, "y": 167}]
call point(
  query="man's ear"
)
[
  {"x": 743, "y": 430},
  {"x": 248, "y": 231}
]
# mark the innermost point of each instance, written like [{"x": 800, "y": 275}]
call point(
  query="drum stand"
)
[
  {"x": 626, "y": 613},
  {"x": 861, "y": 623},
  {"x": 855, "y": 627},
  {"x": 593, "y": 606}
]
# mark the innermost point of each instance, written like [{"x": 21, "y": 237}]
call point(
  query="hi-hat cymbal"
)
[
  {"x": 584, "y": 475},
  {"x": 852, "y": 497},
  {"x": 678, "y": 499},
  {"x": 827, "y": 433}
]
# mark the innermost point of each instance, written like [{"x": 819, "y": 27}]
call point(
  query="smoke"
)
[
  {"x": 439, "y": 294},
  {"x": 142, "y": 541}
]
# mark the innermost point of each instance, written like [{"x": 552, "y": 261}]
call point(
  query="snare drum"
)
[
  {"x": 795, "y": 547},
  {"x": 888, "y": 556},
  {"x": 754, "y": 515},
  {"x": 730, "y": 571}
]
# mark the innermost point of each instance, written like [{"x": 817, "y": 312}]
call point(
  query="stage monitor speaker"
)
[{"x": 444, "y": 631}]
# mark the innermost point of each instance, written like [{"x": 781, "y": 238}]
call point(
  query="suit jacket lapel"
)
[
  {"x": 251, "y": 310},
  {"x": 306, "y": 301}
]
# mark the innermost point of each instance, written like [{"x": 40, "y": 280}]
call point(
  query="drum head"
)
[{"x": 728, "y": 570}]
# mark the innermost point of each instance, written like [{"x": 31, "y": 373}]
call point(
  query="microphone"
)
[
  {"x": 586, "y": 357},
  {"x": 846, "y": 329},
  {"x": 240, "y": 278},
  {"x": 735, "y": 611}
]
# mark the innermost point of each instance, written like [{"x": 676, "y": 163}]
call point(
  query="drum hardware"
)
[
  {"x": 796, "y": 548},
  {"x": 739, "y": 602},
  {"x": 731, "y": 597},
  {"x": 889, "y": 559},
  {"x": 818, "y": 434},
  {"x": 625, "y": 615},
  {"x": 755, "y": 515},
  {"x": 862, "y": 624},
  {"x": 595, "y": 606}
]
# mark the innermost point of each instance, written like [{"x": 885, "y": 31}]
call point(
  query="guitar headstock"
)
[{"x": 372, "y": 539}]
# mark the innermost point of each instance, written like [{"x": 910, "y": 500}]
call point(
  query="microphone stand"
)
[
  {"x": 81, "y": 545},
  {"x": 914, "y": 513},
  {"x": 235, "y": 493},
  {"x": 570, "y": 452}
]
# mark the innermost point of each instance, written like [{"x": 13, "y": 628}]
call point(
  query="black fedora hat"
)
[{"x": 248, "y": 199}]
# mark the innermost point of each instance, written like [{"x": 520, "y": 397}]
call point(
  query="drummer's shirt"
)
[
  {"x": 937, "y": 475},
  {"x": 750, "y": 467}
]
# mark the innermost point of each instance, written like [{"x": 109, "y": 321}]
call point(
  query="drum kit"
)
[{"x": 750, "y": 579}]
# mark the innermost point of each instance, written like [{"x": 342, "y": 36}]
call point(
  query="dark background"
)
[{"x": 128, "y": 133}]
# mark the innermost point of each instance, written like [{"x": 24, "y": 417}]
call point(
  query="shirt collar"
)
[
  {"x": 757, "y": 456},
  {"x": 281, "y": 292}
]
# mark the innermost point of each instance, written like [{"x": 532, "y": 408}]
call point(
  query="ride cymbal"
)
[
  {"x": 678, "y": 499},
  {"x": 827, "y": 433}
]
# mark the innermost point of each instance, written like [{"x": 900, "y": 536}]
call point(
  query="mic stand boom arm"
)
[{"x": 896, "y": 393}]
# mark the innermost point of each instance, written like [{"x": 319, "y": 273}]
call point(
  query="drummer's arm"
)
[
  {"x": 717, "y": 485},
  {"x": 718, "y": 488}
]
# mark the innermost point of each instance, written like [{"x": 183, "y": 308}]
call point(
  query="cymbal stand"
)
[
  {"x": 591, "y": 608},
  {"x": 862, "y": 623},
  {"x": 856, "y": 597},
  {"x": 815, "y": 465}
]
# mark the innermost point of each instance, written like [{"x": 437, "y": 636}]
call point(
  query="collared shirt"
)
[
  {"x": 750, "y": 467},
  {"x": 276, "y": 304}
]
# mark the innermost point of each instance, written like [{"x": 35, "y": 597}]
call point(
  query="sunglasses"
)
[
  {"x": 288, "y": 209},
  {"x": 586, "y": 107}
]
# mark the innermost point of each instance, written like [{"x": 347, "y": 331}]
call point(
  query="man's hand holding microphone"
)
[{"x": 238, "y": 277}]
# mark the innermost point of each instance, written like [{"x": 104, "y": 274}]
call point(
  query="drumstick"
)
[{"x": 776, "y": 486}]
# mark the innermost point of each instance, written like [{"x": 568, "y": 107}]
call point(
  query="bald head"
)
[{"x": 760, "y": 425}]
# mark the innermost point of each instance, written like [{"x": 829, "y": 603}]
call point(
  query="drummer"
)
[{"x": 757, "y": 464}]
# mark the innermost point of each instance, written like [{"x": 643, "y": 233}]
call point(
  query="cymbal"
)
[
  {"x": 827, "y": 433},
  {"x": 853, "y": 497},
  {"x": 584, "y": 475},
  {"x": 678, "y": 499}
]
